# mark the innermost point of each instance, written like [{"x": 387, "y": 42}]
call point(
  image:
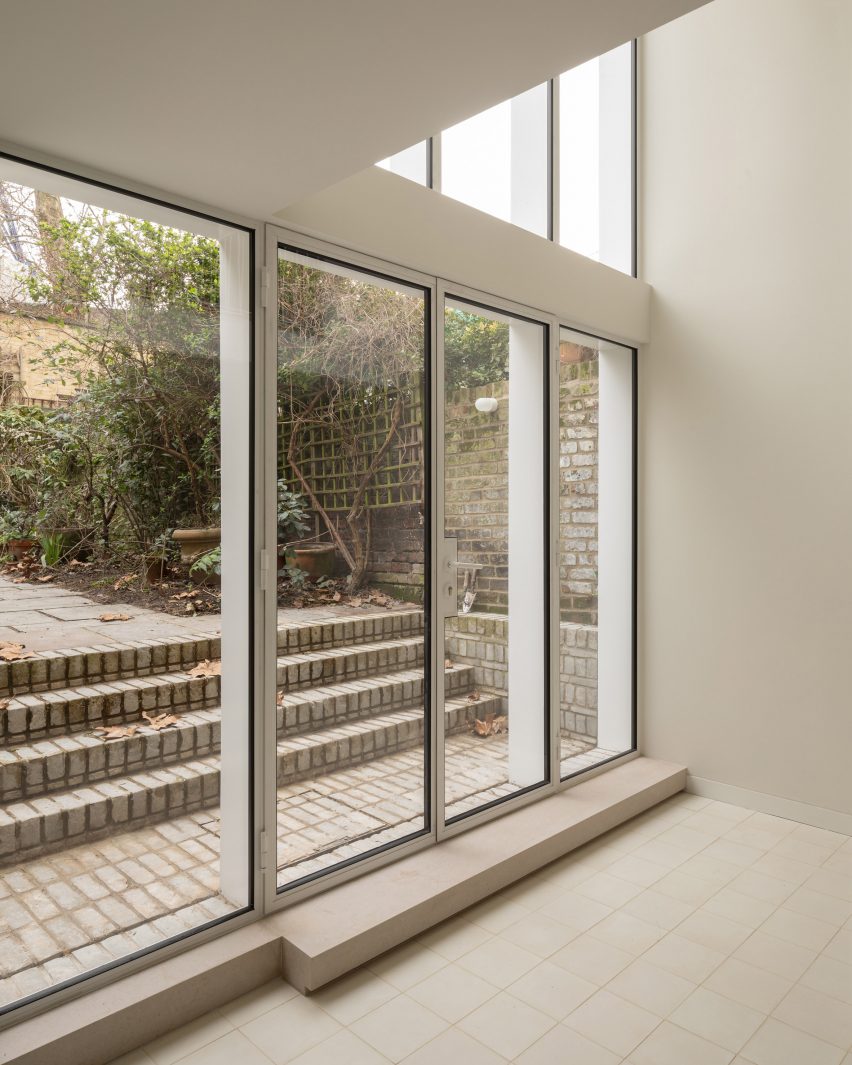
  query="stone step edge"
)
[
  {"x": 65, "y": 667},
  {"x": 82, "y": 759},
  {"x": 356, "y": 628},
  {"x": 53, "y": 822},
  {"x": 304, "y": 756}
]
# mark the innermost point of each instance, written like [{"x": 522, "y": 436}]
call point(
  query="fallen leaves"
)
[
  {"x": 279, "y": 698},
  {"x": 13, "y": 652},
  {"x": 116, "y": 732},
  {"x": 474, "y": 696},
  {"x": 210, "y": 667},
  {"x": 449, "y": 663},
  {"x": 490, "y": 725},
  {"x": 45, "y": 578},
  {"x": 114, "y": 617},
  {"x": 4, "y": 704},
  {"x": 160, "y": 721},
  {"x": 124, "y": 581}
]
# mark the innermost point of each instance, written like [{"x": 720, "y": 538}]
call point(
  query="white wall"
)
[{"x": 746, "y": 397}]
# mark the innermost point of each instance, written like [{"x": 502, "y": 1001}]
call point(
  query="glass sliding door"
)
[
  {"x": 125, "y": 604},
  {"x": 352, "y": 720},
  {"x": 493, "y": 564},
  {"x": 595, "y": 551}
]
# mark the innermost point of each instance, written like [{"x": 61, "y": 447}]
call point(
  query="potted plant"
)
[
  {"x": 292, "y": 519},
  {"x": 17, "y": 532},
  {"x": 195, "y": 542}
]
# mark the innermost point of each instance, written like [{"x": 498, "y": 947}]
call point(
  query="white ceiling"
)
[{"x": 249, "y": 105}]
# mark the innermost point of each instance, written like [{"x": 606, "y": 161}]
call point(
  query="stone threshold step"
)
[
  {"x": 349, "y": 629},
  {"x": 328, "y": 705},
  {"x": 336, "y": 664},
  {"x": 82, "y": 759},
  {"x": 304, "y": 756},
  {"x": 53, "y": 822},
  {"x": 118, "y": 702}
]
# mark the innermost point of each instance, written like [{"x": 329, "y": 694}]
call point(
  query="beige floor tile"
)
[
  {"x": 658, "y": 909},
  {"x": 743, "y": 909},
  {"x": 752, "y": 836},
  {"x": 823, "y": 907},
  {"x": 609, "y": 890},
  {"x": 685, "y": 887},
  {"x": 671, "y": 1045},
  {"x": 831, "y": 882},
  {"x": 576, "y": 911},
  {"x": 354, "y": 995},
  {"x": 499, "y": 962},
  {"x": 407, "y": 965},
  {"x": 452, "y": 992},
  {"x": 592, "y": 959},
  {"x": 637, "y": 871},
  {"x": 540, "y": 934},
  {"x": 818, "y": 1014},
  {"x": 454, "y": 938},
  {"x": 712, "y": 930},
  {"x": 760, "y": 885},
  {"x": 713, "y": 870},
  {"x": 667, "y": 855},
  {"x": 798, "y": 928},
  {"x": 227, "y": 1050},
  {"x": 289, "y": 1030},
  {"x": 552, "y": 989},
  {"x": 612, "y": 1022},
  {"x": 692, "y": 961},
  {"x": 775, "y": 955},
  {"x": 399, "y": 1027},
  {"x": 840, "y": 946},
  {"x": 746, "y": 983},
  {"x": 506, "y": 1025},
  {"x": 627, "y": 932},
  {"x": 717, "y": 1019},
  {"x": 258, "y": 1002},
  {"x": 831, "y": 977},
  {"x": 778, "y": 1044},
  {"x": 801, "y": 851},
  {"x": 533, "y": 891},
  {"x": 450, "y": 1047},
  {"x": 188, "y": 1038},
  {"x": 689, "y": 836},
  {"x": 135, "y": 1057},
  {"x": 791, "y": 872},
  {"x": 342, "y": 1048},
  {"x": 820, "y": 837},
  {"x": 563, "y": 1045},
  {"x": 651, "y": 987}
]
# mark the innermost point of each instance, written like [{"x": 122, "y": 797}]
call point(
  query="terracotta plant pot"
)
[
  {"x": 20, "y": 548},
  {"x": 196, "y": 542},
  {"x": 317, "y": 560}
]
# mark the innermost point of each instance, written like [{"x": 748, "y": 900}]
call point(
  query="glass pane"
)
[
  {"x": 411, "y": 163},
  {"x": 495, "y": 719},
  {"x": 595, "y": 550},
  {"x": 123, "y": 544},
  {"x": 595, "y": 159},
  {"x": 352, "y": 521},
  {"x": 497, "y": 161}
]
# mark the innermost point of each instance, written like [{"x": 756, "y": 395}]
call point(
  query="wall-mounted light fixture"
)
[{"x": 486, "y": 405}]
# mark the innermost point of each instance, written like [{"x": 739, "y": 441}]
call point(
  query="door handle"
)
[{"x": 448, "y": 565}]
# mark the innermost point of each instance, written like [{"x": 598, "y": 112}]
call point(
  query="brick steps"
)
[
  {"x": 333, "y": 704},
  {"x": 81, "y": 666},
  {"x": 50, "y": 765},
  {"x": 66, "y": 818},
  {"x": 302, "y": 757},
  {"x": 338, "y": 664},
  {"x": 65, "y": 711}
]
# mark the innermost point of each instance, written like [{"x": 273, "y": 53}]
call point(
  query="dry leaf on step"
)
[
  {"x": 337, "y": 597},
  {"x": 4, "y": 703},
  {"x": 114, "y": 617},
  {"x": 210, "y": 667},
  {"x": 161, "y": 721},
  {"x": 449, "y": 664},
  {"x": 116, "y": 732},
  {"x": 184, "y": 595},
  {"x": 355, "y": 601},
  {"x": 46, "y": 578},
  {"x": 279, "y": 698},
  {"x": 13, "y": 652},
  {"x": 474, "y": 696}
]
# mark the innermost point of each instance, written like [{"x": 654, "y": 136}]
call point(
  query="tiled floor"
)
[{"x": 698, "y": 934}]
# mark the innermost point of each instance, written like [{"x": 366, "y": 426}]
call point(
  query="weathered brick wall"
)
[
  {"x": 396, "y": 558},
  {"x": 578, "y": 483},
  {"x": 481, "y": 640},
  {"x": 476, "y": 496},
  {"x": 25, "y": 370}
]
